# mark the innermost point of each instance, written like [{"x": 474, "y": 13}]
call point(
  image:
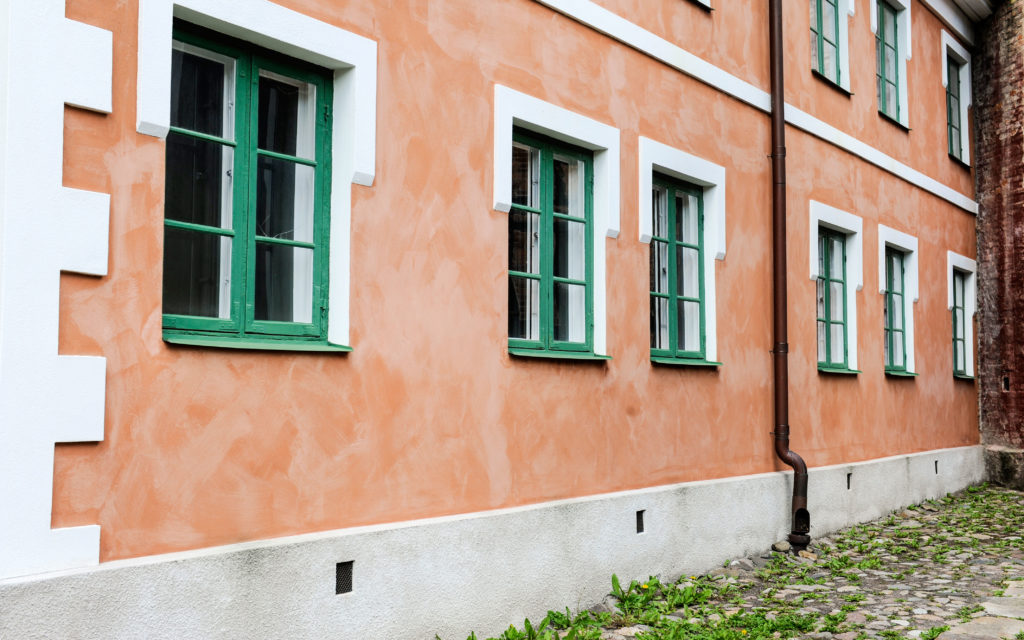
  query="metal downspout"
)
[{"x": 799, "y": 537}]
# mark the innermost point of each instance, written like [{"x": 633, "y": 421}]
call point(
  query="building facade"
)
[{"x": 219, "y": 422}]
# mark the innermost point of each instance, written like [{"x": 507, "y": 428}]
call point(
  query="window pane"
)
[
  {"x": 890, "y": 24},
  {"x": 197, "y": 273},
  {"x": 688, "y": 272},
  {"x": 567, "y": 190},
  {"x": 814, "y": 46},
  {"x": 821, "y": 298},
  {"x": 287, "y": 121},
  {"x": 686, "y": 219},
  {"x": 198, "y": 185},
  {"x": 954, "y": 112},
  {"x": 886, "y": 316},
  {"x": 837, "y": 301},
  {"x": 885, "y": 346},
  {"x": 284, "y": 283},
  {"x": 958, "y": 315},
  {"x": 284, "y": 200},
  {"x": 201, "y": 93},
  {"x": 814, "y": 14},
  {"x": 890, "y": 64},
  {"x": 689, "y": 325},
  {"x": 890, "y": 99},
  {"x": 525, "y": 177},
  {"x": 570, "y": 249},
  {"x": 897, "y": 349},
  {"x": 659, "y": 266},
  {"x": 958, "y": 355},
  {"x": 897, "y": 311},
  {"x": 821, "y": 341},
  {"x": 570, "y": 319},
  {"x": 896, "y": 265},
  {"x": 836, "y": 257},
  {"x": 821, "y": 255},
  {"x": 659, "y": 208},
  {"x": 838, "y": 339},
  {"x": 829, "y": 59},
  {"x": 523, "y": 308},
  {"x": 659, "y": 323},
  {"x": 523, "y": 241},
  {"x": 828, "y": 20}
]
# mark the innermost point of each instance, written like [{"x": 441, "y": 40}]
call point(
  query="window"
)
[
  {"x": 825, "y": 50},
  {"x": 831, "y": 299},
  {"x": 961, "y": 301},
  {"x": 887, "y": 61},
  {"x": 246, "y": 217},
  {"x": 677, "y": 270},
  {"x": 953, "y": 107},
  {"x": 837, "y": 269},
  {"x": 956, "y": 78},
  {"x": 550, "y": 246},
  {"x": 894, "y": 316},
  {"x": 959, "y": 323},
  {"x": 898, "y": 284}
]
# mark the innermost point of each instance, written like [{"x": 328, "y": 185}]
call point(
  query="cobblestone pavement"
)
[{"x": 951, "y": 568}]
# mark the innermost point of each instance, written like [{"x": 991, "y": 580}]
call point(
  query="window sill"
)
[
  {"x": 832, "y": 83},
  {"x": 684, "y": 362},
  {"x": 893, "y": 121},
  {"x": 959, "y": 161},
  {"x": 962, "y": 376},
  {"x": 900, "y": 374},
  {"x": 838, "y": 370},
  {"x": 557, "y": 355},
  {"x": 250, "y": 344}
]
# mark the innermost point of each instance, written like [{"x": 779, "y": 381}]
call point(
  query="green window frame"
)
[
  {"x": 551, "y": 247},
  {"x": 825, "y": 49},
  {"x": 953, "y": 123},
  {"x": 677, "y": 316},
  {"x": 246, "y": 218},
  {"x": 959, "y": 320},
  {"x": 895, "y": 311},
  {"x": 831, "y": 300},
  {"x": 887, "y": 61}
]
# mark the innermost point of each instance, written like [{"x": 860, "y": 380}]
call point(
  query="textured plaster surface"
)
[
  {"x": 428, "y": 416},
  {"x": 449, "y": 575}
]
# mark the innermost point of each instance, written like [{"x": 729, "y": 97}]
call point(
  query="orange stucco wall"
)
[{"x": 429, "y": 415}]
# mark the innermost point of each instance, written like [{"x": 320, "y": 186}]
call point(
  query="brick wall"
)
[{"x": 998, "y": 68}]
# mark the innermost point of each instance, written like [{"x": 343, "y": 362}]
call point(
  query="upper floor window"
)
[
  {"x": 956, "y": 77},
  {"x": 825, "y": 48},
  {"x": 246, "y": 193},
  {"x": 887, "y": 61},
  {"x": 961, "y": 272},
  {"x": 550, "y": 246},
  {"x": 677, "y": 270}
]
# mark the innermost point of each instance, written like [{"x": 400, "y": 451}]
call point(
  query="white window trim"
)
[
  {"x": 903, "y": 40},
  {"x": 889, "y": 237},
  {"x": 822, "y": 215},
  {"x": 661, "y": 158},
  {"x": 970, "y": 267},
  {"x": 515, "y": 109},
  {"x": 351, "y": 57},
  {"x": 952, "y": 49}
]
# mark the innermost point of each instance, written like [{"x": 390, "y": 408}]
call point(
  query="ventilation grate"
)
[
  {"x": 640, "y": 521},
  {"x": 343, "y": 577}
]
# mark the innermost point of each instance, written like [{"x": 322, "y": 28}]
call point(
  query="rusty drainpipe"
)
[{"x": 800, "y": 537}]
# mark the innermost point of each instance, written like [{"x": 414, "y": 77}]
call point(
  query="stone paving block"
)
[
  {"x": 1009, "y": 607},
  {"x": 988, "y": 628},
  {"x": 1015, "y": 588}
]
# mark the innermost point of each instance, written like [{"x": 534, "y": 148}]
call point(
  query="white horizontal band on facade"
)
[
  {"x": 588, "y": 13},
  {"x": 481, "y": 572}
]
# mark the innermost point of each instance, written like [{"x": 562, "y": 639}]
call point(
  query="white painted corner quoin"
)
[
  {"x": 515, "y": 109},
  {"x": 661, "y": 158},
  {"x": 46, "y": 61},
  {"x": 351, "y": 57}
]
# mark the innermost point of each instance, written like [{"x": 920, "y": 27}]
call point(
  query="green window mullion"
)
[
  {"x": 284, "y": 156},
  {"x": 286, "y": 242},
  {"x": 202, "y": 228},
  {"x": 202, "y": 136},
  {"x": 547, "y": 246}
]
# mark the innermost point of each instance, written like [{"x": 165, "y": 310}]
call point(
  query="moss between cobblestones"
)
[{"x": 913, "y": 574}]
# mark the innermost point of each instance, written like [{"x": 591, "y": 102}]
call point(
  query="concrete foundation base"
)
[{"x": 1005, "y": 466}]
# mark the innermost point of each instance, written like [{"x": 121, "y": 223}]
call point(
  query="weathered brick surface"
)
[{"x": 998, "y": 80}]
